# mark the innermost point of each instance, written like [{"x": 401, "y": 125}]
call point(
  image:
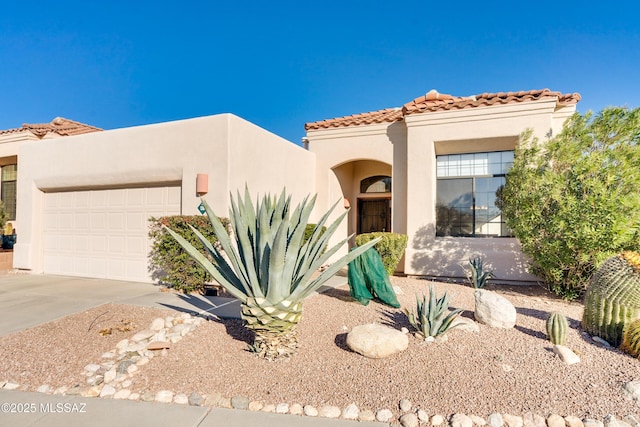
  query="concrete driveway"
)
[{"x": 28, "y": 300}]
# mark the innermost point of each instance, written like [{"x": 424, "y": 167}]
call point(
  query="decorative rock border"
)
[{"x": 111, "y": 378}]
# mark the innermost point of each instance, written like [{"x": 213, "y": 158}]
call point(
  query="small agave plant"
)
[
  {"x": 478, "y": 276},
  {"x": 269, "y": 266},
  {"x": 432, "y": 317}
]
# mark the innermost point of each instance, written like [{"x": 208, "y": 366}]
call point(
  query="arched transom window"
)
[{"x": 376, "y": 184}]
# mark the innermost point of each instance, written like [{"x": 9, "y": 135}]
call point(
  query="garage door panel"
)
[{"x": 103, "y": 233}]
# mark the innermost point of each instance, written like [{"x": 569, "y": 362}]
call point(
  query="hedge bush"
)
[
  {"x": 390, "y": 247},
  {"x": 169, "y": 263}
]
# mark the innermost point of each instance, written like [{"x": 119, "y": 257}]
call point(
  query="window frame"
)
[
  {"x": 455, "y": 168},
  {"x": 4, "y": 183}
]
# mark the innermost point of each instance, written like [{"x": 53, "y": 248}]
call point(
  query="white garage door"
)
[{"x": 103, "y": 233}]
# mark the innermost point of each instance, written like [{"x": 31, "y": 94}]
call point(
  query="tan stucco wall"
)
[
  {"x": 229, "y": 149},
  {"x": 468, "y": 130},
  {"x": 347, "y": 155}
]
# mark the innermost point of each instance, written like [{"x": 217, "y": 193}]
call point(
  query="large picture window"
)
[
  {"x": 8, "y": 190},
  {"x": 466, "y": 194}
]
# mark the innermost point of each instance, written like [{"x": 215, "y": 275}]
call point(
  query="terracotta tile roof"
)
[
  {"x": 380, "y": 116},
  {"x": 59, "y": 125},
  {"x": 434, "y": 101}
]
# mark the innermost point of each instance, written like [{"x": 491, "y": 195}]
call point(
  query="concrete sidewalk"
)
[
  {"x": 30, "y": 300},
  {"x": 22, "y": 409}
]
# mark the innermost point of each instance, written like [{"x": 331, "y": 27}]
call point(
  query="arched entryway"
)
[{"x": 366, "y": 188}]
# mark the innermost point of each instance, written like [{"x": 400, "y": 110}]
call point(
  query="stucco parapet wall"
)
[
  {"x": 17, "y": 137},
  {"x": 494, "y": 112},
  {"x": 348, "y": 132},
  {"x": 131, "y": 178}
]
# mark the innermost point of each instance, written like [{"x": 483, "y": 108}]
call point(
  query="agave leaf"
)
[
  {"x": 207, "y": 265},
  {"x": 244, "y": 245},
  {"x": 305, "y": 291},
  {"x": 278, "y": 288},
  {"x": 226, "y": 243},
  {"x": 222, "y": 264}
]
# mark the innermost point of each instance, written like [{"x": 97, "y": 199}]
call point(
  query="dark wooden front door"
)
[{"x": 374, "y": 215}]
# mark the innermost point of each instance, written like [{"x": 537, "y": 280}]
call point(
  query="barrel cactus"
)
[
  {"x": 612, "y": 300},
  {"x": 557, "y": 327},
  {"x": 631, "y": 338}
]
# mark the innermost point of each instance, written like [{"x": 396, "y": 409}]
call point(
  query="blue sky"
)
[{"x": 280, "y": 64}]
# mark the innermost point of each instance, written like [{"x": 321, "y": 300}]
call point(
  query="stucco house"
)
[
  {"x": 430, "y": 169},
  {"x": 83, "y": 196}
]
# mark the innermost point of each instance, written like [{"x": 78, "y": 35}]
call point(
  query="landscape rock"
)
[
  {"x": 47, "y": 389},
  {"x": 181, "y": 399},
  {"x": 478, "y": 421},
  {"x": 631, "y": 391},
  {"x": 512, "y": 420},
  {"x": 601, "y": 341},
  {"x": 494, "y": 310},
  {"x": 122, "y": 394},
  {"x": 282, "y": 408},
  {"x": 269, "y": 408},
  {"x": 142, "y": 335},
  {"x": 495, "y": 420},
  {"x": 631, "y": 420},
  {"x": 255, "y": 405},
  {"x": 194, "y": 398},
  {"x": 157, "y": 324},
  {"x": 589, "y": 422},
  {"x": 296, "y": 409},
  {"x": 310, "y": 411},
  {"x": 423, "y": 415},
  {"x": 148, "y": 397},
  {"x": 409, "y": 420},
  {"x": 461, "y": 420},
  {"x": 329, "y": 411},
  {"x": 437, "y": 420},
  {"x": 10, "y": 386},
  {"x": 573, "y": 421},
  {"x": 351, "y": 412},
  {"x": 555, "y": 420},
  {"x": 107, "y": 391},
  {"x": 366, "y": 415},
  {"x": 405, "y": 405},
  {"x": 164, "y": 396},
  {"x": 384, "y": 415},
  {"x": 240, "y": 402},
  {"x": 465, "y": 324},
  {"x": 566, "y": 354},
  {"x": 376, "y": 341}
]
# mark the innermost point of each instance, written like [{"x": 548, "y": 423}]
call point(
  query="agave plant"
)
[
  {"x": 478, "y": 276},
  {"x": 269, "y": 265},
  {"x": 432, "y": 317}
]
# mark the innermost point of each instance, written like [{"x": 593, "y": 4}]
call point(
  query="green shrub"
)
[
  {"x": 390, "y": 247},
  {"x": 308, "y": 231},
  {"x": 169, "y": 262},
  {"x": 3, "y": 217},
  {"x": 573, "y": 201}
]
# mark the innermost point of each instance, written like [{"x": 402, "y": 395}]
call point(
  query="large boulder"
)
[
  {"x": 376, "y": 341},
  {"x": 494, "y": 310}
]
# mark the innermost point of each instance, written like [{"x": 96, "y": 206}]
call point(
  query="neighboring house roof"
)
[
  {"x": 59, "y": 125},
  {"x": 434, "y": 101}
]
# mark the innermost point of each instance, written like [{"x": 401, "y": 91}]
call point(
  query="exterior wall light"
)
[{"x": 202, "y": 184}]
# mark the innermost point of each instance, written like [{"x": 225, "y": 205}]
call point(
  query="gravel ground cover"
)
[{"x": 510, "y": 371}]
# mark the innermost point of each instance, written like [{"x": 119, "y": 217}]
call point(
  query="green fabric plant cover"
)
[{"x": 368, "y": 279}]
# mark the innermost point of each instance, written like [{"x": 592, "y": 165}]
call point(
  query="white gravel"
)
[{"x": 506, "y": 371}]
